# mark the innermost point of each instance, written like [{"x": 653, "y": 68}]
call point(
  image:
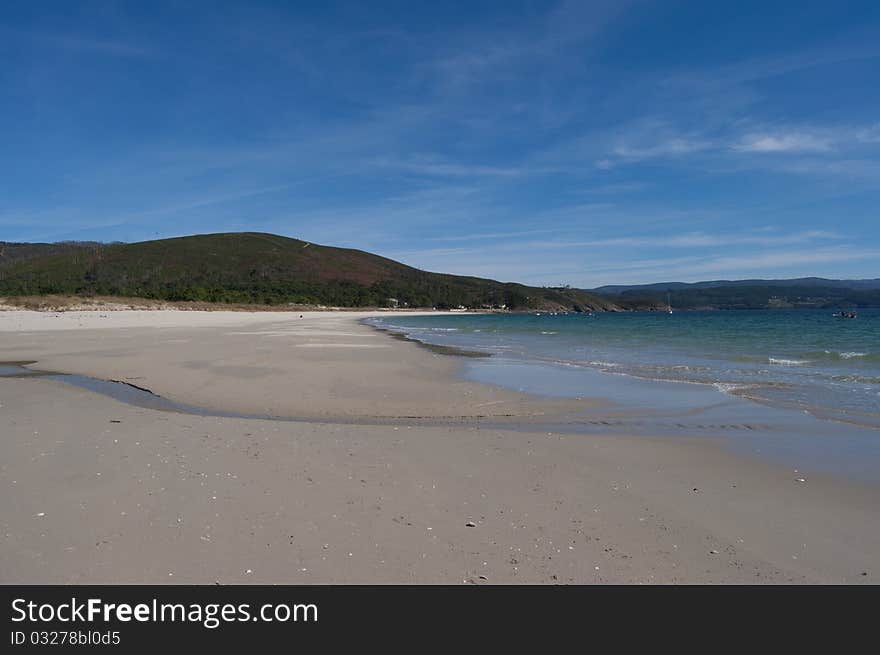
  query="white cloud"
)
[{"x": 791, "y": 142}]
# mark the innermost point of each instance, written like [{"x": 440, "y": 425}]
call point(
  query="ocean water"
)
[{"x": 803, "y": 361}]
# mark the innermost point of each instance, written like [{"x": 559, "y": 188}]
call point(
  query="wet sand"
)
[
  {"x": 324, "y": 365},
  {"x": 95, "y": 490}
]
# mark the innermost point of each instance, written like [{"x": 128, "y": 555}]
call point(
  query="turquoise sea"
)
[{"x": 807, "y": 372}]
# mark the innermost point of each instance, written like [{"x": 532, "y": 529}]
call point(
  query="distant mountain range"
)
[
  {"x": 249, "y": 267},
  {"x": 747, "y": 294},
  {"x": 615, "y": 289}
]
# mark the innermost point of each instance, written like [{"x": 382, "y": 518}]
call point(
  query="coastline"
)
[{"x": 100, "y": 491}]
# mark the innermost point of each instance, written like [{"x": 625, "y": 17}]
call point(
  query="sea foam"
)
[{"x": 788, "y": 362}]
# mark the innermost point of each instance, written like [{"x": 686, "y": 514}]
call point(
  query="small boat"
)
[
  {"x": 845, "y": 315},
  {"x": 668, "y": 305}
]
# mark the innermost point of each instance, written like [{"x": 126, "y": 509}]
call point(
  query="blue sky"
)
[{"x": 578, "y": 143}]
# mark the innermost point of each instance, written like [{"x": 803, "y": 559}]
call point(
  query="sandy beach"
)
[{"x": 395, "y": 471}]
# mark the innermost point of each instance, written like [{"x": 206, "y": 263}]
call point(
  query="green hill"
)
[
  {"x": 15, "y": 252},
  {"x": 259, "y": 268}
]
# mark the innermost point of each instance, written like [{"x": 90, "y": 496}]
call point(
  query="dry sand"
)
[{"x": 97, "y": 491}]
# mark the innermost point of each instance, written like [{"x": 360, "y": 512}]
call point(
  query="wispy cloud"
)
[
  {"x": 792, "y": 142},
  {"x": 752, "y": 69},
  {"x": 479, "y": 56},
  {"x": 665, "y": 148},
  {"x": 440, "y": 168},
  {"x": 654, "y": 139},
  {"x": 210, "y": 201},
  {"x": 631, "y": 268},
  {"x": 852, "y": 170},
  {"x": 699, "y": 240},
  {"x": 765, "y": 264},
  {"x": 870, "y": 134},
  {"x": 644, "y": 139},
  {"x": 482, "y": 236},
  {"x": 693, "y": 240},
  {"x": 547, "y": 142},
  {"x": 79, "y": 43}
]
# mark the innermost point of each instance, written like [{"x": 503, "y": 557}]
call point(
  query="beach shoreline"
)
[{"x": 100, "y": 491}]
